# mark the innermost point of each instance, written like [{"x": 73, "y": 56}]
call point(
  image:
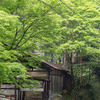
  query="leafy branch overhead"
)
[
  {"x": 57, "y": 26},
  {"x": 22, "y": 25}
]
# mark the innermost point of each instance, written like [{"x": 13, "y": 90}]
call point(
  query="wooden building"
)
[{"x": 51, "y": 78}]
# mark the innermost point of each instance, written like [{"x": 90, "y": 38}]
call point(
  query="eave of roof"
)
[{"x": 55, "y": 66}]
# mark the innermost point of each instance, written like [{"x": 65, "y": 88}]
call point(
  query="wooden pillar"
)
[
  {"x": 48, "y": 89},
  {"x": 15, "y": 92},
  {"x": 19, "y": 94},
  {"x": 48, "y": 85},
  {"x": 23, "y": 98},
  {"x": 44, "y": 93}
]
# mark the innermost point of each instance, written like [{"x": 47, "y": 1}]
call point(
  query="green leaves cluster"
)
[
  {"x": 51, "y": 25},
  {"x": 23, "y": 24}
]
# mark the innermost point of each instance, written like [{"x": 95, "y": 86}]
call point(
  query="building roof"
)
[
  {"x": 55, "y": 66},
  {"x": 52, "y": 65}
]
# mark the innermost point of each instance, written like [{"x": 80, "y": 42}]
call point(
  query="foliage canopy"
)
[{"x": 57, "y": 26}]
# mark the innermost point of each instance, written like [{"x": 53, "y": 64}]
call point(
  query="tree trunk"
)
[
  {"x": 81, "y": 71},
  {"x": 72, "y": 74}
]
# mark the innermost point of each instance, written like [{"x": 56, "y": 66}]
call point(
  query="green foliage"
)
[
  {"x": 81, "y": 34},
  {"x": 59, "y": 95},
  {"x": 50, "y": 26},
  {"x": 22, "y": 24}
]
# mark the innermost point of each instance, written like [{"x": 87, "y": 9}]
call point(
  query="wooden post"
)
[
  {"x": 23, "y": 98},
  {"x": 15, "y": 92},
  {"x": 18, "y": 94}
]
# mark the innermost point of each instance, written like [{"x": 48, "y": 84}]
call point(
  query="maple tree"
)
[
  {"x": 22, "y": 24},
  {"x": 79, "y": 37},
  {"x": 64, "y": 26}
]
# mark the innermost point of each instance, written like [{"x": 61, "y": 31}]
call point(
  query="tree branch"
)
[
  {"x": 28, "y": 38},
  {"x": 52, "y": 8},
  {"x": 17, "y": 31},
  {"x": 26, "y": 31},
  {"x": 89, "y": 77},
  {"x": 68, "y": 18},
  {"x": 14, "y": 39}
]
